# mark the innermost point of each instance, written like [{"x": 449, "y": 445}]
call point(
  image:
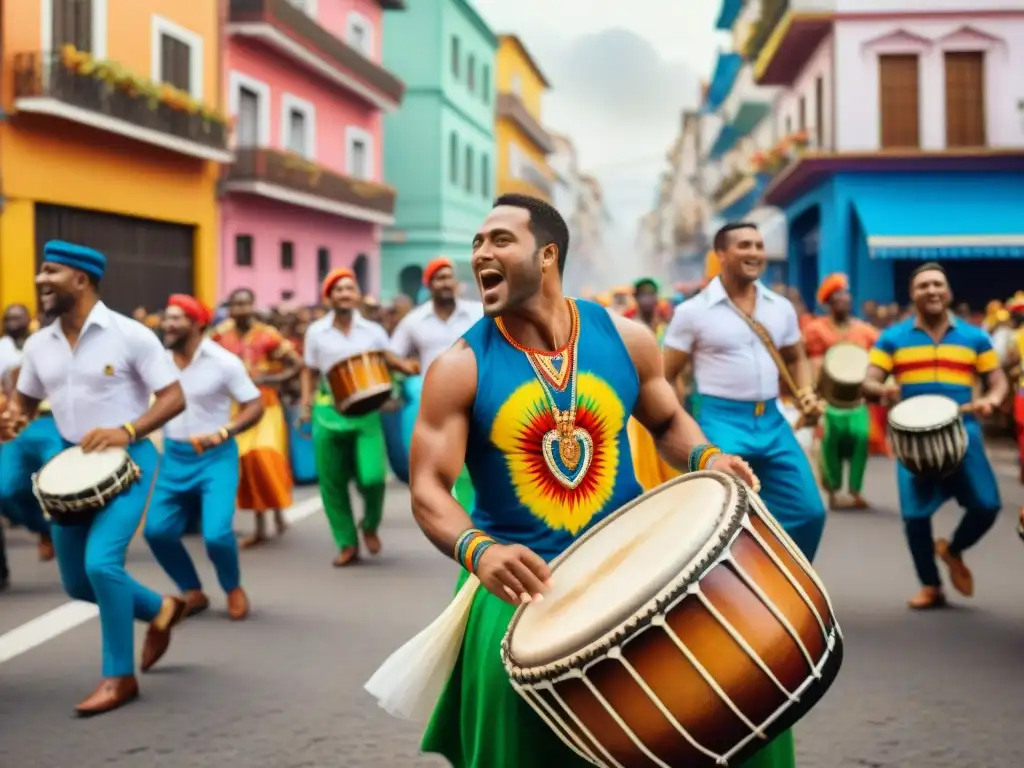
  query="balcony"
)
[
  {"x": 291, "y": 179},
  {"x": 785, "y": 38},
  {"x": 291, "y": 32},
  {"x": 512, "y": 108},
  {"x": 103, "y": 95}
]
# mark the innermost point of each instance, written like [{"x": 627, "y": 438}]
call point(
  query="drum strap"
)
[{"x": 762, "y": 333}]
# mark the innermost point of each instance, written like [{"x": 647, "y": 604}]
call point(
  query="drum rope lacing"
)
[{"x": 101, "y": 493}]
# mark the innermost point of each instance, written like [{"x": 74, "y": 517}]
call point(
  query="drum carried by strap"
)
[
  {"x": 843, "y": 371},
  {"x": 928, "y": 435},
  {"x": 360, "y": 384},
  {"x": 685, "y": 629},
  {"x": 73, "y": 486}
]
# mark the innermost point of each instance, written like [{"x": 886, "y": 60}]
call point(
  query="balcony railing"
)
[
  {"x": 303, "y": 29},
  {"x": 511, "y": 107},
  {"x": 42, "y": 79},
  {"x": 283, "y": 169},
  {"x": 772, "y": 13},
  {"x": 728, "y": 184}
]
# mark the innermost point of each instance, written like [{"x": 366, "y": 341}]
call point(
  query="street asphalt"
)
[{"x": 285, "y": 688}]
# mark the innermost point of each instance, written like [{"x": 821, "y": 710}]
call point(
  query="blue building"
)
[{"x": 440, "y": 147}]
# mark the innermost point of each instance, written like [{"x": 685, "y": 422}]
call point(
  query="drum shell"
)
[
  {"x": 360, "y": 384},
  {"x": 933, "y": 453},
  {"x": 839, "y": 394},
  {"x": 831, "y": 386},
  {"x": 81, "y": 508},
  {"x": 685, "y": 684}
]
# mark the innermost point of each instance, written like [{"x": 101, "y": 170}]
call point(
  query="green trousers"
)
[
  {"x": 845, "y": 439},
  {"x": 347, "y": 449}
]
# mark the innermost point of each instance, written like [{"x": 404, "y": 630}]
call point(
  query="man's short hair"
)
[
  {"x": 928, "y": 266},
  {"x": 721, "y": 241},
  {"x": 546, "y": 223}
]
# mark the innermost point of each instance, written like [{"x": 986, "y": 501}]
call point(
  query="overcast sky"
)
[{"x": 621, "y": 73}]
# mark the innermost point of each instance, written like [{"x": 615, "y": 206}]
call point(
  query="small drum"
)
[
  {"x": 928, "y": 435},
  {"x": 842, "y": 373},
  {"x": 360, "y": 384},
  {"x": 685, "y": 629},
  {"x": 74, "y": 485}
]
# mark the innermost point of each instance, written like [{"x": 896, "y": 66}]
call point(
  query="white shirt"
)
[
  {"x": 10, "y": 355},
  {"x": 325, "y": 345},
  {"x": 106, "y": 381},
  {"x": 423, "y": 334},
  {"x": 729, "y": 360},
  {"x": 212, "y": 381}
]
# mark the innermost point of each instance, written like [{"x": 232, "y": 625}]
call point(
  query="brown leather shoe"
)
[
  {"x": 927, "y": 599},
  {"x": 195, "y": 602},
  {"x": 348, "y": 556},
  {"x": 158, "y": 637},
  {"x": 110, "y": 694},
  {"x": 959, "y": 574},
  {"x": 238, "y": 604},
  {"x": 372, "y": 541}
]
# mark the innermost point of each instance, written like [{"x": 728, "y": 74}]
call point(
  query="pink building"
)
[{"x": 306, "y": 192}]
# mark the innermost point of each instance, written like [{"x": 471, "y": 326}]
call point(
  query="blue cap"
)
[{"x": 88, "y": 260}]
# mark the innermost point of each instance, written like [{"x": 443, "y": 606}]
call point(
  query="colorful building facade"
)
[
  {"x": 112, "y": 138},
  {"x": 306, "y": 191},
  {"x": 523, "y": 143},
  {"x": 440, "y": 147}
]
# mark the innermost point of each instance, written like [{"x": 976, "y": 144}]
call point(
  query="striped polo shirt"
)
[{"x": 921, "y": 367}]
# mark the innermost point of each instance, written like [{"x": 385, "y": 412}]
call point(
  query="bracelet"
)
[
  {"x": 224, "y": 433},
  {"x": 700, "y": 456},
  {"x": 470, "y": 546},
  {"x": 130, "y": 429}
]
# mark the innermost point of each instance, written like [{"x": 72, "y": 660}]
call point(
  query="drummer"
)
[
  {"x": 933, "y": 353},
  {"x": 432, "y": 328},
  {"x": 199, "y": 466},
  {"x": 489, "y": 402},
  {"x": 98, "y": 369},
  {"x": 846, "y": 430},
  {"x": 347, "y": 448}
]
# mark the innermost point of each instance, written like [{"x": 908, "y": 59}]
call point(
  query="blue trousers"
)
[
  {"x": 974, "y": 487},
  {"x": 190, "y": 480},
  {"x": 760, "y": 434},
  {"x": 19, "y": 460},
  {"x": 91, "y": 561}
]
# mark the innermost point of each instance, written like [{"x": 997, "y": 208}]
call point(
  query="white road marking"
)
[{"x": 72, "y": 614}]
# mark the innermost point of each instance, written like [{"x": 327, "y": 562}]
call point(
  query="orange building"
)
[{"x": 112, "y": 140}]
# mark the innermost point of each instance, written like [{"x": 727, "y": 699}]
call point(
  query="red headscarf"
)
[
  {"x": 831, "y": 285},
  {"x": 333, "y": 277},
  {"x": 434, "y": 267},
  {"x": 196, "y": 311}
]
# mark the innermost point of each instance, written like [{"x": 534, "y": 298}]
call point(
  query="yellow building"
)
[
  {"x": 523, "y": 144},
  {"x": 111, "y": 142}
]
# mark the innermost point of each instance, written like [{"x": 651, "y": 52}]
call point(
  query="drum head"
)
[
  {"x": 924, "y": 412},
  {"x": 847, "y": 364},
  {"x": 72, "y": 471},
  {"x": 660, "y": 543}
]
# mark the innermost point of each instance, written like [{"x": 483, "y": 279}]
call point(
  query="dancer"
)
[
  {"x": 425, "y": 333},
  {"x": 199, "y": 466},
  {"x": 98, "y": 368},
  {"x": 347, "y": 447},
  {"x": 933, "y": 353},
  {"x": 538, "y": 362},
  {"x": 846, "y": 430},
  {"x": 265, "y": 484},
  {"x": 738, "y": 378}
]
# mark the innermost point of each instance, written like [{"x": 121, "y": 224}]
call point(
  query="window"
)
[
  {"x": 471, "y": 73},
  {"x": 898, "y": 80},
  {"x": 819, "y": 112},
  {"x": 469, "y": 169},
  {"x": 361, "y": 266},
  {"x": 177, "y": 57},
  {"x": 287, "y": 255},
  {"x": 965, "y": 99},
  {"x": 485, "y": 176},
  {"x": 81, "y": 23},
  {"x": 517, "y": 85},
  {"x": 323, "y": 264},
  {"x": 360, "y": 34},
  {"x": 802, "y": 115},
  {"x": 455, "y": 56},
  {"x": 789, "y": 125},
  {"x": 249, "y": 101},
  {"x": 359, "y": 158},
  {"x": 485, "y": 84},
  {"x": 453, "y": 158},
  {"x": 243, "y": 250},
  {"x": 298, "y": 126}
]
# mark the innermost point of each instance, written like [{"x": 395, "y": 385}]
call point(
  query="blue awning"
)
[
  {"x": 726, "y": 140},
  {"x": 747, "y": 118},
  {"x": 943, "y": 218},
  {"x": 744, "y": 205},
  {"x": 728, "y": 14},
  {"x": 727, "y": 68}
]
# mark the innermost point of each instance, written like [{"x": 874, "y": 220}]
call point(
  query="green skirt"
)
[{"x": 481, "y": 722}]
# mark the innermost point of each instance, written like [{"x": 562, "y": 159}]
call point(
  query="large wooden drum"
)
[
  {"x": 360, "y": 384},
  {"x": 684, "y": 630},
  {"x": 843, "y": 371},
  {"x": 928, "y": 435}
]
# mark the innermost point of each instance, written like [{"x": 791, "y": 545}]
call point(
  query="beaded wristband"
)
[
  {"x": 700, "y": 456},
  {"x": 463, "y": 543},
  {"x": 130, "y": 429},
  {"x": 478, "y": 552}
]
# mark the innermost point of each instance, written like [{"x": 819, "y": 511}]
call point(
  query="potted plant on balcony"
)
[
  {"x": 76, "y": 80},
  {"x": 298, "y": 165}
]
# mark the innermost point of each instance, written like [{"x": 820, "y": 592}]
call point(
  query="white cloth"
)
[
  {"x": 212, "y": 381},
  {"x": 424, "y": 335},
  {"x": 325, "y": 345},
  {"x": 108, "y": 378},
  {"x": 10, "y": 355},
  {"x": 729, "y": 360}
]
